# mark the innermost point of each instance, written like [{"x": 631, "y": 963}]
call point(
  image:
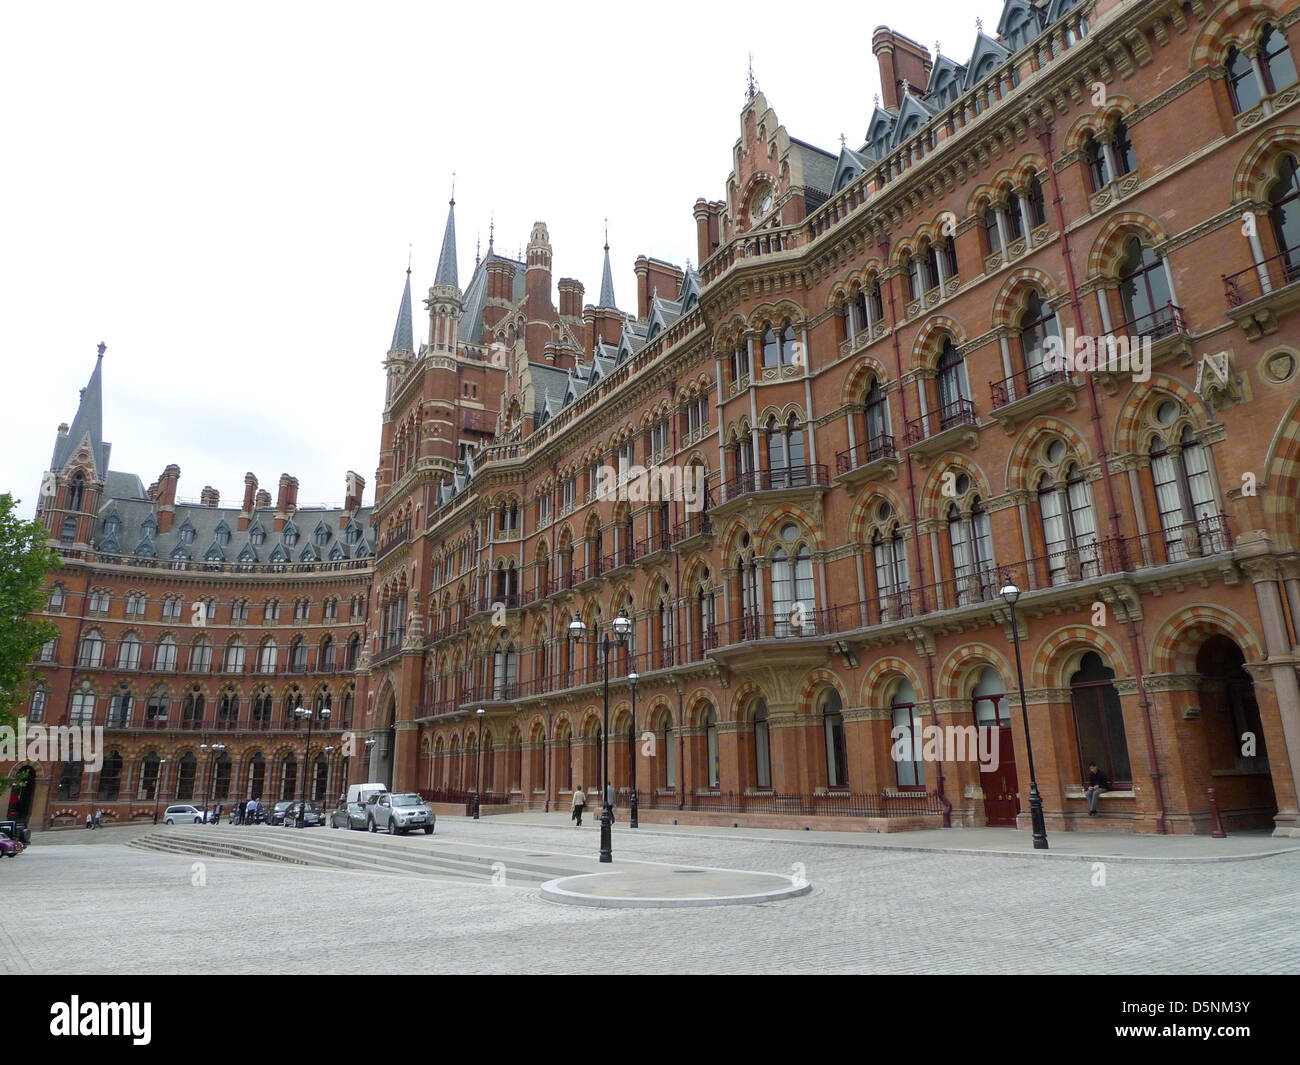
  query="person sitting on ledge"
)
[{"x": 1096, "y": 784}]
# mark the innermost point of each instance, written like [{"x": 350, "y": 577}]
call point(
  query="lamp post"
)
[
  {"x": 157, "y": 788},
  {"x": 622, "y": 626},
  {"x": 633, "y": 678},
  {"x": 211, "y": 750},
  {"x": 1010, "y": 593},
  {"x": 478, "y": 768},
  {"x": 324, "y": 714}
]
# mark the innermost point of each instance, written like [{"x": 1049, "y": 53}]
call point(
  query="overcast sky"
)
[{"x": 225, "y": 193}]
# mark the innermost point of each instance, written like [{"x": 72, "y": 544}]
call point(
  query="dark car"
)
[
  {"x": 349, "y": 815},
  {"x": 275, "y": 815},
  {"x": 312, "y": 815}
]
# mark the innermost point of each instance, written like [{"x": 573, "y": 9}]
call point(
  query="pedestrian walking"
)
[
  {"x": 90, "y": 821},
  {"x": 609, "y": 800},
  {"x": 217, "y": 820},
  {"x": 239, "y": 811},
  {"x": 99, "y": 818},
  {"x": 579, "y": 804}
]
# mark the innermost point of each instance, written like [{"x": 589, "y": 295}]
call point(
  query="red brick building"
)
[{"x": 861, "y": 367}]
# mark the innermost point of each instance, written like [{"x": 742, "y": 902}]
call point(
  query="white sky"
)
[{"x": 225, "y": 193}]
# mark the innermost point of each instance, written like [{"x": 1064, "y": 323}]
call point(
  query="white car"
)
[
  {"x": 186, "y": 815},
  {"x": 399, "y": 814}
]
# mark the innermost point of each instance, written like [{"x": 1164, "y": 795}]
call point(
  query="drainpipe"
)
[
  {"x": 916, "y": 532},
  {"x": 1044, "y": 134}
]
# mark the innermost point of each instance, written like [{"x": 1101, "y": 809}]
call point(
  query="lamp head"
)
[
  {"x": 622, "y": 626},
  {"x": 633, "y": 677},
  {"x": 1010, "y": 593},
  {"x": 577, "y": 629},
  {"x": 480, "y": 711}
]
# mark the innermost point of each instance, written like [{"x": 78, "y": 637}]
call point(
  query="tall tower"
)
[
  {"x": 445, "y": 303},
  {"x": 71, "y": 489},
  {"x": 539, "y": 311}
]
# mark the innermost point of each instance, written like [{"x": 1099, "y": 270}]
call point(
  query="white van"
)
[{"x": 360, "y": 793}]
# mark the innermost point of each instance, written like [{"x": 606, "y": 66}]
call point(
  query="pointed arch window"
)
[
  {"x": 1037, "y": 324},
  {"x": 1099, "y": 722},
  {"x": 228, "y": 709},
  {"x": 1069, "y": 527},
  {"x": 953, "y": 385},
  {"x": 889, "y": 555},
  {"x": 201, "y": 655},
  {"x": 165, "y": 655},
  {"x": 505, "y": 667},
  {"x": 266, "y": 657},
  {"x": 837, "y": 759},
  {"x": 36, "y": 707},
  {"x": 771, "y": 347},
  {"x": 992, "y": 232},
  {"x": 1284, "y": 215},
  {"x": 1185, "y": 499},
  {"x": 76, "y": 492},
  {"x": 92, "y": 649},
  {"x": 762, "y": 747},
  {"x": 119, "y": 708},
  {"x": 1094, "y": 157},
  {"x": 157, "y": 707},
  {"x": 82, "y": 711},
  {"x": 1144, "y": 290},
  {"x": 906, "y": 738},
  {"x": 971, "y": 541}
]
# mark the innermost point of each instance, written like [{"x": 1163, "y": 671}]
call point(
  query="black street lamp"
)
[
  {"x": 324, "y": 714},
  {"x": 622, "y": 626},
  {"x": 1010, "y": 593},
  {"x": 633, "y": 678},
  {"x": 157, "y": 788},
  {"x": 478, "y": 768},
  {"x": 211, "y": 750}
]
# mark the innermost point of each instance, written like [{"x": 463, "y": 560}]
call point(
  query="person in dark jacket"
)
[{"x": 1096, "y": 784}]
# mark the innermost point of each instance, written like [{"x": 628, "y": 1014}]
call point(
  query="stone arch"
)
[
  {"x": 880, "y": 679},
  {"x": 787, "y": 514},
  {"x": 1022, "y": 459},
  {"x": 855, "y": 381},
  {"x": 1282, "y": 466},
  {"x": 814, "y": 683},
  {"x": 930, "y": 337},
  {"x": 1057, "y": 657},
  {"x": 1029, "y": 167},
  {"x": 1013, "y": 296},
  {"x": 1108, "y": 249},
  {"x": 1258, "y": 167},
  {"x": 697, "y": 705},
  {"x": 1235, "y": 22},
  {"x": 735, "y": 532},
  {"x": 1129, "y": 426},
  {"x": 863, "y": 517},
  {"x": 1176, "y": 642},
  {"x": 933, "y": 503},
  {"x": 742, "y": 702},
  {"x": 774, "y": 314},
  {"x": 952, "y": 681}
]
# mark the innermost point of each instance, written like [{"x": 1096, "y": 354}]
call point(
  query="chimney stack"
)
[
  {"x": 900, "y": 59},
  {"x": 706, "y": 227},
  {"x": 655, "y": 275},
  {"x": 250, "y": 494},
  {"x": 263, "y": 499},
  {"x": 352, "y": 494},
  {"x": 571, "y": 292},
  {"x": 166, "y": 497},
  {"x": 286, "y": 501},
  {"x": 210, "y": 497}
]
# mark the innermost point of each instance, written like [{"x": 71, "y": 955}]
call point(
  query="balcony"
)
[
  {"x": 1259, "y": 295},
  {"x": 651, "y": 547},
  {"x": 1032, "y": 391},
  {"x": 950, "y": 426},
  {"x": 397, "y": 538},
  {"x": 1161, "y": 333},
  {"x": 696, "y": 525},
  {"x": 787, "y": 482},
  {"x": 876, "y": 458}
]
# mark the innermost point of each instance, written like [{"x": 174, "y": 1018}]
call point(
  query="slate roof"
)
[
  {"x": 87, "y": 424},
  {"x": 403, "y": 337},
  {"x": 470, "y": 327},
  {"x": 446, "y": 274}
]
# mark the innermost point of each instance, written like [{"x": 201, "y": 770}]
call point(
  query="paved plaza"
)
[{"x": 89, "y": 903}]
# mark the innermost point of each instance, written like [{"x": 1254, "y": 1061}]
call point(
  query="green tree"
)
[{"x": 25, "y": 561}]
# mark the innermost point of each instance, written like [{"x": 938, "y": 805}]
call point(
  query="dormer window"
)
[
  {"x": 257, "y": 536},
  {"x": 290, "y": 535},
  {"x": 186, "y": 533},
  {"x": 322, "y": 535},
  {"x": 222, "y": 535}
]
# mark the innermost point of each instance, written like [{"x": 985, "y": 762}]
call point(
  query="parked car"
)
[
  {"x": 312, "y": 815},
  {"x": 18, "y": 831},
  {"x": 399, "y": 813},
  {"x": 275, "y": 815},
  {"x": 361, "y": 793},
  {"x": 348, "y": 815},
  {"x": 10, "y": 844},
  {"x": 185, "y": 815}
]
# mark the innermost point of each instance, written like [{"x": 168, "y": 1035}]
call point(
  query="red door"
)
[{"x": 1002, "y": 787}]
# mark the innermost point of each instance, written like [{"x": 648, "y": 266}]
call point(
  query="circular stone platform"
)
[{"x": 637, "y": 885}]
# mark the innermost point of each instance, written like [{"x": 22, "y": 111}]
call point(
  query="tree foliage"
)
[{"x": 25, "y": 561}]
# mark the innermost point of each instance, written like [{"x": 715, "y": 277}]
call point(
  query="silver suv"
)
[{"x": 398, "y": 813}]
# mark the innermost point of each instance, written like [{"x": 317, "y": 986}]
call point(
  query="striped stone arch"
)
[
  {"x": 1028, "y": 167},
  {"x": 927, "y": 233},
  {"x": 880, "y": 677},
  {"x": 563, "y": 725},
  {"x": 729, "y": 332},
  {"x": 687, "y": 390},
  {"x": 958, "y": 667},
  {"x": 815, "y": 682},
  {"x": 1012, "y": 297},
  {"x": 1258, "y": 167},
  {"x": 730, "y": 542},
  {"x": 1129, "y": 426},
  {"x": 1094, "y": 122},
  {"x": 695, "y": 705},
  {"x": 1108, "y": 248},
  {"x": 693, "y": 565},
  {"x": 1056, "y": 658},
  {"x": 774, "y": 313},
  {"x": 658, "y": 707},
  {"x": 1003, "y": 182},
  {"x": 782, "y": 413},
  {"x": 979, "y": 199},
  {"x": 928, "y": 343},
  {"x": 856, "y": 381},
  {"x": 1174, "y": 646},
  {"x": 786, "y": 514},
  {"x": 1282, "y": 474},
  {"x": 862, "y": 517},
  {"x": 1021, "y": 460},
  {"x": 864, "y": 276},
  {"x": 899, "y": 254},
  {"x": 590, "y": 718},
  {"x": 620, "y": 719},
  {"x": 743, "y": 701},
  {"x": 739, "y": 430},
  {"x": 933, "y": 503},
  {"x": 655, "y": 588},
  {"x": 1235, "y": 22}
]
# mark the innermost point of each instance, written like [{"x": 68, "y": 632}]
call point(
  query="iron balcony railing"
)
[
  {"x": 1269, "y": 275},
  {"x": 876, "y": 448},
  {"x": 786, "y": 477}
]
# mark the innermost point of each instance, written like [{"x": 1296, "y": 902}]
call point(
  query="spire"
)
[
  {"x": 88, "y": 425},
  {"x": 403, "y": 334},
  {"x": 607, "y": 278},
  {"x": 446, "y": 274}
]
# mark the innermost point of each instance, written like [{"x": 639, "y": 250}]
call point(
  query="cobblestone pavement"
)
[{"x": 111, "y": 909}]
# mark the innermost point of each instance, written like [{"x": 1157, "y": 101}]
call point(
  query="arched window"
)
[
  {"x": 837, "y": 758},
  {"x": 1011, "y": 217},
  {"x": 1099, "y": 722},
  {"x": 289, "y": 778},
  {"x": 36, "y": 708},
  {"x": 712, "y": 763},
  {"x": 906, "y": 739},
  {"x": 221, "y": 777},
  {"x": 1069, "y": 528},
  {"x": 705, "y": 618},
  {"x": 971, "y": 540},
  {"x": 201, "y": 655},
  {"x": 156, "y": 708},
  {"x": 119, "y": 710},
  {"x": 771, "y": 347},
  {"x": 876, "y": 418},
  {"x": 266, "y": 657},
  {"x": 1036, "y": 201},
  {"x": 256, "y": 776},
  {"x": 889, "y": 555},
  {"x": 762, "y": 747},
  {"x": 192, "y": 709},
  {"x": 92, "y": 649},
  {"x": 69, "y": 532},
  {"x": 1037, "y": 324},
  {"x": 262, "y": 704},
  {"x": 1284, "y": 215},
  {"x": 128, "y": 654},
  {"x": 185, "y": 777},
  {"x": 1125, "y": 159},
  {"x": 165, "y": 658},
  {"x": 83, "y": 706},
  {"x": 76, "y": 492},
  {"x": 1094, "y": 157},
  {"x": 788, "y": 348},
  {"x": 1184, "y": 496},
  {"x": 954, "y": 387},
  {"x": 504, "y": 669},
  {"x": 992, "y": 233},
  {"x": 1144, "y": 290},
  {"x": 668, "y": 738},
  {"x": 354, "y": 650},
  {"x": 228, "y": 709},
  {"x": 150, "y": 769},
  {"x": 298, "y": 655},
  {"x": 235, "y": 656},
  {"x": 70, "y": 780}
]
